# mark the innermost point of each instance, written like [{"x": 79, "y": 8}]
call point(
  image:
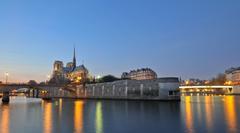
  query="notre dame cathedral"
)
[{"x": 69, "y": 74}]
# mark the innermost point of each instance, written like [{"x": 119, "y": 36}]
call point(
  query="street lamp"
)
[
  {"x": 6, "y": 76},
  {"x": 98, "y": 77}
]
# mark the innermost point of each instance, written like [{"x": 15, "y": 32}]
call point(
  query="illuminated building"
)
[
  {"x": 140, "y": 74},
  {"x": 69, "y": 74},
  {"x": 233, "y": 75}
]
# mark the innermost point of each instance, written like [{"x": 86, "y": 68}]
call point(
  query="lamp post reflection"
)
[
  {"x": 5, "y": 119},
  {"x": 208, "y": 111},
  {"x": 230, "y": 113},
  {"x": 99, "y": 118},
  {"x": 47, "y": 117},
  {"x": 60, "y": 108},
  {"x": 78, "y": 116},
  {"x": 199, "y": 109},
  {"x": 189, "y": 115}
]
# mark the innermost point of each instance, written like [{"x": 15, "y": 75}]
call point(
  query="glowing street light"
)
[
  {"x": 48, "y": 76},
  {"x": 228, "y": 83},
  {"x": 187, "y": 82},
  {"x": 98, "y": 77}
]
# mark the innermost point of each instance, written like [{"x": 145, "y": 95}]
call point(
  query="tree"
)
[
  {"x": 58, "y": 80},
  {"x": 32, "y": 82},
  {"x": 42, "y": 83},
  {"x": 108, "y": 78},
  {"x": 220, "y": 79}
]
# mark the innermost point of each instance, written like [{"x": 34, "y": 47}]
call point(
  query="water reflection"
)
[
  {"x": 211, "y": 114},
  {"x": 230, "y": 113},
  {"x": 47, "y": 117},
  {"x": 78, "y": 116},
  {"x": 208, "y": 111},
  {"x": 5, "y": 119},
  {"x": 199, "y": 109},
  {"x": 197, "y": 114},
  {"x": 60, "y": 108},
  {"x": 99, "y": 118},
  {"x": 188, "y": 114}
]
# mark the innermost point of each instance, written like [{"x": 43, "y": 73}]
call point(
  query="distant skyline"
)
[{"x": 187, "y": 39}]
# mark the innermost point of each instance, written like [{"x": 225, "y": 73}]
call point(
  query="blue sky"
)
[{"x": 175, "y": 38}]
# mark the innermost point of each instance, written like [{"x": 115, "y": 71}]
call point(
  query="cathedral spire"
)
[{"x": 74, "y": 58}]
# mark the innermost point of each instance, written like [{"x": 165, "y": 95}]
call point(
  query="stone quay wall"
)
[{"x": 157, "y": 89}]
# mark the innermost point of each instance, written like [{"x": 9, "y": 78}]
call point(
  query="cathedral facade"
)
[{"x": 71, "y": 73}]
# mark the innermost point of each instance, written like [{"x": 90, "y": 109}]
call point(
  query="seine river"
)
[{"x": 192, "y": 114}]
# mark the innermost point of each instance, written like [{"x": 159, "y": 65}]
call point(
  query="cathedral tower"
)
[{"x": 74, "y": 59}]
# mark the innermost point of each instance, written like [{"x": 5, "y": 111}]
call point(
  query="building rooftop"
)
[{"x": 232, "y": 69}]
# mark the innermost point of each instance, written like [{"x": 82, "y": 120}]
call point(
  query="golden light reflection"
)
[
  {"x": 5, "y": 119},
  {"x": 230, "y": 113},
  {"x": 47, "y": 118},
  {"x": 60, "y": 108},
  {"x": 209, "y": 111},
  {"x": 189, "y": 115},
  {"x": 99, "y": 118},
  {"x": 78, "y": 116},
  {"x": 199, "y": 109}
]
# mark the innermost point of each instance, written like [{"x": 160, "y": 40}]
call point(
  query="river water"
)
[{"x": 207, "y": 114}]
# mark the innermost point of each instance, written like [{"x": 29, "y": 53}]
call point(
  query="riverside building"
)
[
  {"x": 140, "y": 74},
  {"x": 233, "y": 75}
]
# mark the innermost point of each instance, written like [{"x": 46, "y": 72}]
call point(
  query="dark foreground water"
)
[{"x": 193, "y": 114}]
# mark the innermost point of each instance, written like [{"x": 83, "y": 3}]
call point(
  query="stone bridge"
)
[
  {"x": 11, "y": 87},
  {"x": 41, "y": 91}
]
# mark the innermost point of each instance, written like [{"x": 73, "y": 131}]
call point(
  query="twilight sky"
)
[{"x": 183, "y": 38}]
